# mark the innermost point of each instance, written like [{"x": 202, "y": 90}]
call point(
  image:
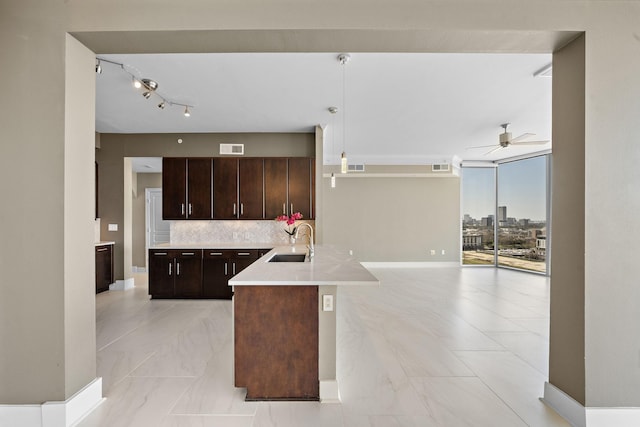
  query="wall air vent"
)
[
  {"x": 444, "y": 167},
  {"x": 356, "y": 168},
  {"x": 232, "y": 149}
]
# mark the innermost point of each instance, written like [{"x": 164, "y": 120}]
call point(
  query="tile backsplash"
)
[{"x": 184, "y": 232}]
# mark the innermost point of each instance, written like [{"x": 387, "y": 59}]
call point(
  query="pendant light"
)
[
  {"x": 344, "y": 58},
  {"x": 333, "y": 111}
]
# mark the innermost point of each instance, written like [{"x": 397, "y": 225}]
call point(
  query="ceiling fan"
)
[{"x": 506, "y": 140}]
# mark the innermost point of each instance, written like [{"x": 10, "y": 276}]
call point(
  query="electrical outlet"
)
[
  {"x": 112, "y": 227},
  {"x": 443, "y": 252},
  {"x": 327, "y": 302},
  {"x": 351, "y": 252},
  {"x": 235, "y": 236},
  {"x": 433, "y": 251}
]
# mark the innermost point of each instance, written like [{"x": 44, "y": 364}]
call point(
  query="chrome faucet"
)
[{"x": 310, "y": 237}]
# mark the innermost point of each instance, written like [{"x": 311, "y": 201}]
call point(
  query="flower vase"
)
[{"x": 292, "y": 239}]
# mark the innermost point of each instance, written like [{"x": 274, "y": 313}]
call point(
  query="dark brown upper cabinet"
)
[
  {"x": 186, "y": 188},
  {"x": 251, "y": 188},
  {"x": 275, "y": 187},
  {"x": 301, "y": 182},
  {"x": 225, "y": 188}
]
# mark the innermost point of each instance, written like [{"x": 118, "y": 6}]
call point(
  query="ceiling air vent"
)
[
  {"x": 444, "y": 167},
  {"x": 233, "y": 149},
  {"x": 356, "y": 168}
]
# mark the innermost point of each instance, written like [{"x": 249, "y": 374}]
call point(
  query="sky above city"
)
[{"x": 521, "y": 188}]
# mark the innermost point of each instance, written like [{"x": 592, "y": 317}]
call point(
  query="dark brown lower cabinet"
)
[
  {"x": 276, "y": 342},
  {"x": 197, "y": 273},
  {"x": 175, "y": 273},
  {"x": 104, "y": 267},
  {"x": 220, "y": 265}
]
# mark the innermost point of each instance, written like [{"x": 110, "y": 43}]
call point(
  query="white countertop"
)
[
  {"x": 104, "y": 242},
  {"x": 223, "y": 245},
  {"x": 330, "y": 266}
]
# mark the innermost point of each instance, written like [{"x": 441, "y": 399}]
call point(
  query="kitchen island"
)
[{"x": 285, "y": 323}]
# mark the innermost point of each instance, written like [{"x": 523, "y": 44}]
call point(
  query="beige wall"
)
[
  {"x": 145, "y": 180},
  {"x": 115, "y": 147},
  {"x": 394, "y": 219},
  {"x": 566, "y": 343},
  {"x": 32, "y": 33}
]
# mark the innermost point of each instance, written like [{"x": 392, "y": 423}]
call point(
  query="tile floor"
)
[{"x": 429, "y": 347}]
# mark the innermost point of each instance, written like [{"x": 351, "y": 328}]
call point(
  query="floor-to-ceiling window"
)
[
  {"x": 506, "y": 207},
  {"x": 478, "y": 213},
  {"x": 522, "y": 214}
]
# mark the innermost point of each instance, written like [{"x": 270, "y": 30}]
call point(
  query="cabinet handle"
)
[
  {"x": 284, "y": 209},
  {"x": 188, "y": 253},
  {"x": 159, "y": 253},
  {"x": 241, "y": 208},
  {"x": 234, "y": 208},
  {"x": 215, "y": 253},
  {"x": 244, "y": 253},
  {"x": 182, "y": 208},
  {"x": 234, "y": 268},
  {"x": 190, "y": 209},
  {"x": 170, "y": 264},
  {"x": 225, "y": 269},
  {"x": 102, "y": 249},
  {"x": 177, "y": 268}
]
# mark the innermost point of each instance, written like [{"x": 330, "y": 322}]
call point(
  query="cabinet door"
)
[
  {"x": 251, "y": 189},
  {"x": 161, "y": 273},
  {"x": 174, "y": 188},
  {"x": 199, "y": 177},
  {"x": 216, "y": 270},
  {"x": 225, "y": 188},
  {"x": 300, "y": 192},
  {"x": 188, "y": 274},
  {"x": 275, "y": 187},
  {"x": 103, "y": 268},
  {"x": 243, "y": 259}
]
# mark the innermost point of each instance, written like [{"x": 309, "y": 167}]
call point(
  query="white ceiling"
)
[{"x": 401, "y": 108}]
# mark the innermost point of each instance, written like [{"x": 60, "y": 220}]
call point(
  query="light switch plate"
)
[
  {"x": 327, "y": 302},
  {"x": 113, "y": 227}
]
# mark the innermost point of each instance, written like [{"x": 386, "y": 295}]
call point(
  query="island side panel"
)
[{"x": 276, "y": 342}]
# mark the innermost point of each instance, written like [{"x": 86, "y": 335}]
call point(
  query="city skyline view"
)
[{"x": 521, "y": 188}]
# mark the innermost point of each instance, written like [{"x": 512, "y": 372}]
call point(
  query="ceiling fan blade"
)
[
  {"x": 482, "y": 146},
  {"x": 529, "y": 142},
  {"x": 521, "y": 137},
  {"x": 491, "y": 151}
]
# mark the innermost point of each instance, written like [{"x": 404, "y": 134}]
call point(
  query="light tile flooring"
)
[{"x": 429, "y": 347}]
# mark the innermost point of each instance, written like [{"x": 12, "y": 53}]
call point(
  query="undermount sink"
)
[{"x": 287, "y": 258}]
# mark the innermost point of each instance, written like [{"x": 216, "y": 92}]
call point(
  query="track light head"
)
[
  {"x": 186, "y": 111},
  {"x": 146, "y": 94},
  {"x": 152, "y": 85},
  {"x": 136, "y": 83},
  {"x": 98, "y": 67},
  {"x": 161, "y": 105}
]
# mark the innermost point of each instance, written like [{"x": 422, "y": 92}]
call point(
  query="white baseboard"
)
[
  {"x": 418, "y": 264},
  {"x": 55, "y": 414},
  {"x": 565, "y": 405},
  {"x": 607, "y": 417},
  {"x": 329, "y": 392},
  {"x": 122, "y": 285}
]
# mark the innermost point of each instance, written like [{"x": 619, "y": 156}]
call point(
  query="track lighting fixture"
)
[{"x": 148, "y": 85}]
